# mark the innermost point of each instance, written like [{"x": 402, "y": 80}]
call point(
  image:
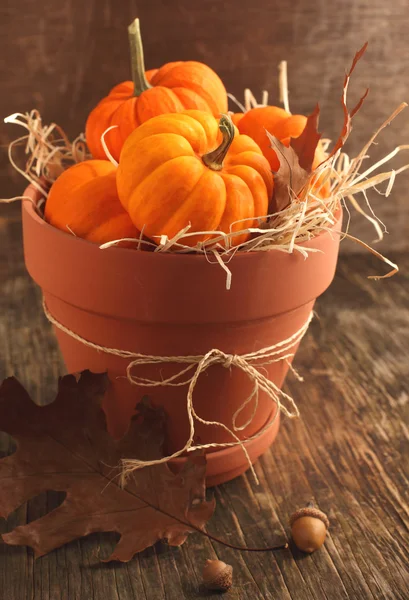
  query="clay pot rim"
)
[{"x": 33, "y": 193}]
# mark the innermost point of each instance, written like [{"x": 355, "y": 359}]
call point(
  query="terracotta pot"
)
[{"x": 168, "y": 304}]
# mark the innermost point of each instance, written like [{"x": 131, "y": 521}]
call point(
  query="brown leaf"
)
[
  {"x": 290, "y": 177},
  {"x": 64, "y": 446},
  {"x": 347, "y": 125},
  {"x": 306, "y": 144},
  {"x": 296, "y": 161}
]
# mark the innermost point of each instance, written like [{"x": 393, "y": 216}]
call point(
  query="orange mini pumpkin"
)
[
  {"x": 178, "y": 169},
  {"x": 283, "y": 126},
  {"x": 84, "y": 201},
  {"x": 175, "y": 87},
  {"x": 236, "y": 118},
  {"x": 279, "y": 123}
]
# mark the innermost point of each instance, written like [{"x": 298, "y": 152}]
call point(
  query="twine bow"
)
[{"x": 191, "y": 369}]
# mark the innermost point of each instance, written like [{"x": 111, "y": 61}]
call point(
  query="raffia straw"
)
[
  {"x": 357, "y": 162},
  {"x": 105, "y": 147},
  {"x": 236, "y": 102},
  {"x": 224, "y": 267},
  {"x": 35, "y": 205},
  {"x": 47, "y": 147},
  {"x": 395, "y": 267},
  {"x": 283, "y": 85},
  {"x": 249, "y": 100},
  {"x": 373, "y": 220}
]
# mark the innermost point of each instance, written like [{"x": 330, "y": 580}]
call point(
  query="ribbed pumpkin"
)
[
  {"x": 84, "y": 201},
  {"x": 279, "y": 123},
  {"x": 236, "y": 118},
  {"x": 283, "y": 126},
  {"x": 178, "y": 169},
  {"x": 175, "y": 87}
]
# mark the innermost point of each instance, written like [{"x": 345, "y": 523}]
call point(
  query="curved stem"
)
[
  {"x": 283, "y": 546},
  {"x": 214, "y": 159},
  {"x": 137, "y": 63}
]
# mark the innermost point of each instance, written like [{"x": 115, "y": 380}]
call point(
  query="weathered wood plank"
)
[{"x": 349, "y": 453}]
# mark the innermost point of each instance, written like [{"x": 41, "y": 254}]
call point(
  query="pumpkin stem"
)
[
  {"x": 214, "y": 159},
  {"x": 137, "y": 63}
]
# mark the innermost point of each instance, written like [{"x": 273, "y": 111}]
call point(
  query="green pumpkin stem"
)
[
  {"x": 137, "y": 63},
  {"x": 214, "y": 159}
]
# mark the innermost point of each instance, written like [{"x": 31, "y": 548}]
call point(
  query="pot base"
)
[{"x": 228, "y": 463}]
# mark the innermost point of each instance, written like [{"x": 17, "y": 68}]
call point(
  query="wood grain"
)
[
  {"x": 62, "y": 57},
  {"x": 348, "y": 453}
]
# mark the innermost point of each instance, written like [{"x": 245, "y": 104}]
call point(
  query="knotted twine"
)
[{"x": 196, "y": 365}]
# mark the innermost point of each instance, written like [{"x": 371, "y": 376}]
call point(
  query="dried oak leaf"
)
[
  {"x": 296, "y": 160},
  {"x": 348, "y": 116},
  {"x": 306, "y": 144},
  {"x": 290, "y": 177},
  {"x": 64, "y": 446}
]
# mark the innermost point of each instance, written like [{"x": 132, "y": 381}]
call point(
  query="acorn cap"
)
[
  {"x": 309, "y": 511},
  {"x": 217, "y": 575}
]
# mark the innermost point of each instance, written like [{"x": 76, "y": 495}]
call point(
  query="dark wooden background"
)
[{"x": 63, "y": 56}]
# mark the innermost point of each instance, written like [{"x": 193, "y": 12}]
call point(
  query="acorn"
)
[
  {"x": 217, "y": 575},
  {"x": 309, "y": 527}
]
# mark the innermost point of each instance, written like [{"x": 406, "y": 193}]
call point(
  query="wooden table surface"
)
[{"x": 349, "y": 453}]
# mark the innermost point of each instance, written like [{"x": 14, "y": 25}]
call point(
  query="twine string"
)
[{"x": 191, "y": 368}]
